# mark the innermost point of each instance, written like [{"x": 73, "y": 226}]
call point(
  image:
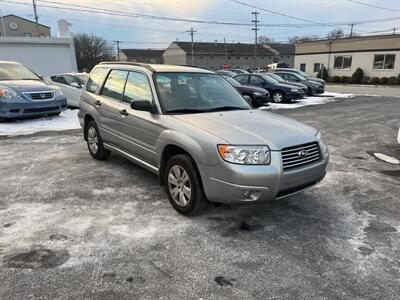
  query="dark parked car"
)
[
  {"x": 25, "y": 94},
  {"x": 281, "y": 80},
  {"x": 302, "y": 74},
  {"x": 280, "y": 92},
  {"x": 313, "y": 87},
  {"x": 258, "y": 97},
  {"x": 225, "y": 73}
]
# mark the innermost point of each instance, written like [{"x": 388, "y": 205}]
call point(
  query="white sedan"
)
[{"x": 70, "y": 84}]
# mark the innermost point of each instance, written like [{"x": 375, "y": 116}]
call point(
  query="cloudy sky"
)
[{"x": 138, "y": 32}]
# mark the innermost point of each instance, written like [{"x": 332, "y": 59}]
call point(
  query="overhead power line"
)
[
  {"x": 374, "y": 6},
  {"x": 82, "y": 8},
  {"x": 278, "y": 13}
]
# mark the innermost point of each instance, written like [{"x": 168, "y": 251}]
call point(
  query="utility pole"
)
[
  {"x": 226, "y": 61},
  {"x": 394, "y": 30},
  {"x": 351, "y": 30},
  {"x": 117, "y": 48},
  {"x": 36, "y": 17},
  {"x": 191, "y": 32},
  {"x": 256, "y": 29},
  {"x": 2, "y": 22}
]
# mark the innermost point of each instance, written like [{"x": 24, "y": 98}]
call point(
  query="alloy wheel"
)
[
  {"x": 277, "y": 97},
  {"x": 93, "y": 140},
  {"x": 179, "y": 185}
]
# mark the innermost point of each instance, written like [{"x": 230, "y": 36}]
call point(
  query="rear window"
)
[{"x": 96, "y": 78}]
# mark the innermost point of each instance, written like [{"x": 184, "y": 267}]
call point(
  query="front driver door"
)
[{"x": 139, "y": 130}]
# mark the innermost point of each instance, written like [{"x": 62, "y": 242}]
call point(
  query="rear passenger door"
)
[
  {"x": 108, "y": 105},
  {"x": 139, "y": 130}
]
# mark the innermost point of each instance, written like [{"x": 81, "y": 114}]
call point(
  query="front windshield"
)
[
  {"x": 301, "y": 73},
  {"x": 197, "y": 92},
  {"x": 269, "y": 79},
  {"x": 16, "y": 72},
  {"x": 276, "y": 77}
]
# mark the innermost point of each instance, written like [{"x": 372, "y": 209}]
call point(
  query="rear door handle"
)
[
  {"x": 98, "y": 103},
  {"x": 124, "y": 112}
]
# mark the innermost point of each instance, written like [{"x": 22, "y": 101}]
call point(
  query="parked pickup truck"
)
[{"x": 198, "y": 134}]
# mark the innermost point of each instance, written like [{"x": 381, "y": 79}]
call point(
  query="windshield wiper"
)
[
  {"x": 186, "y": 111},
  {"x": 223, "y": 108}
]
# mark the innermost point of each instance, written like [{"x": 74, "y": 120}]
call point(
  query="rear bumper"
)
[
  {"x": 235, "y": 184},
  {"x": 19, "y": 109}
]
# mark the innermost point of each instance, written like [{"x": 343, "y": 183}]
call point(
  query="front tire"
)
[
  {"x": 95, "y": 143},
  {"x": 183, "y": 185},
  {"x": 278, "y": 97}
]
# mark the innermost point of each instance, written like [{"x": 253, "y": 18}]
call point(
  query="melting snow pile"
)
[
  {"x": 321, "y": 99},
  {"x": 65, "y": 121}
]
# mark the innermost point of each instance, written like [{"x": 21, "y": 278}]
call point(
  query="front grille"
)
[
  {"x": 300, "y": 155},
  {"x": 40, "y": 109},
  {"x": 41, "y": 95}
]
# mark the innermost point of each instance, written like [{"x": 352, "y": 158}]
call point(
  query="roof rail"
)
[{"x": 128, "y": 63}]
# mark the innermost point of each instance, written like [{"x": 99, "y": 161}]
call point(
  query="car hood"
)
[
  {"x": 27, "y": 85},
  {"x": 253, "y": 89},
  {"x": 285, "y": 85},
  {"x": 319, "y": 80},
  {"x": 297, "y": 85},
  {"x": 252, "y": 127}
]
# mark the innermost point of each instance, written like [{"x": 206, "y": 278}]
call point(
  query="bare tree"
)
[
  {"x": 335, "y": 34},
  {"x": 262, "y": 39},
  {"x": 90, "y": 50}
]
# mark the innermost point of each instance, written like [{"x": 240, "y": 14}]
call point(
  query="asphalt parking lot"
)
[{"x": 75, "y": 228}]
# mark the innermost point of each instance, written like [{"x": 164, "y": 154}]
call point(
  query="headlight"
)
[
  {"x": 258, "y": 94},
  {"x": 245, "y": 155},
  {"x": 294, "y": 90},
  {"x": 7, "y": 93},
  {"x": 57, "y": 91},
  {"x": 324, "y": 148}
]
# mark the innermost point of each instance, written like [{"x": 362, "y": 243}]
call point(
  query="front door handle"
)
[
  {"x": 98, "y": 103},
  {"x": 123, "y": 112}
]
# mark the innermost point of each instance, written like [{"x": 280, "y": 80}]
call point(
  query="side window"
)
[
  {"x": 137, "y": 88},
  {"x": 114, "y": 86},
  {"x": 292, "y": 77},
  {"x": 70, "y": 79},
  {"x": 255, "y": 80},
  {"x": 95, "y": 79},
  {"x": 241, "y": 78}
]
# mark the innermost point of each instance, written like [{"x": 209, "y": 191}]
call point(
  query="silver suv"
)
[{"x": 198, "y": 134}]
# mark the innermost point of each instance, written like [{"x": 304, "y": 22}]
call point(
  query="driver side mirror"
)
[
  {"x": 76, "y": 85},
  {"x": 143, "y": 105}
]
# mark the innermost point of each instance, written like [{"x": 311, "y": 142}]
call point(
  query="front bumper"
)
[
  {"x": 24, "y": 109},
  {"x": 318, "y": 90},
  {"x": 295, "y": 95},
  {"x": 234, "y": 184}
]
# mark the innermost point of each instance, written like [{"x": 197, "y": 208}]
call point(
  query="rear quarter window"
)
[{"x": 96, "y": 78}]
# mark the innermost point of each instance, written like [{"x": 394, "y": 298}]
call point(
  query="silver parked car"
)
[
  {"x": 25, "y": 94},
  {"x": 70, "y": 84},
  {"x": 198, "y": 134}
]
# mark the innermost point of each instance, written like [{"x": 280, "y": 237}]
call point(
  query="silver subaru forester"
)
[{"x": 198, "y": 134}]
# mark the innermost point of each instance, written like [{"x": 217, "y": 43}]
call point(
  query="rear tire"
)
[
  {"x": 278, "y": 97},
  {"x": 183, "y": 185},
  {"x": 95, "y": 143}
]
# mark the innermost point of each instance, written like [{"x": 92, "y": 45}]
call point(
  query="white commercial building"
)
[
  {"x": 377, "y": 56},
  {"x": 42, "y": 55}
]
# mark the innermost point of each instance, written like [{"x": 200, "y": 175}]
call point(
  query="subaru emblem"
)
[{"x": 303, "y": 153}]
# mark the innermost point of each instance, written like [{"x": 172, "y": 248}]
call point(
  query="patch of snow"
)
[
  {"x": 65, "y": 121},
  {"x": 307, "y": 101},
  {"x": 398, "y": 137},
  {"x": 386, "y": 158}
]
